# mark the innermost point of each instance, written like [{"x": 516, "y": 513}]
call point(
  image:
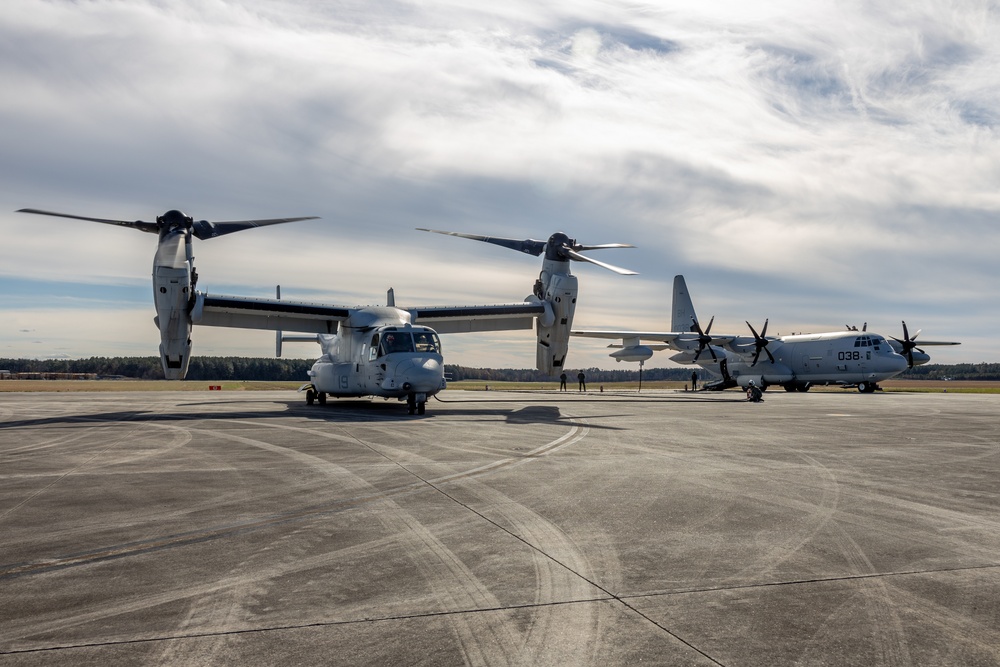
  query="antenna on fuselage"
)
[
  {"x": 277, "y": 333},
  {"x": 390, "y": 298}
]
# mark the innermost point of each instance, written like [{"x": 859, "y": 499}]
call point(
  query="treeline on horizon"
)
[{"x": 265, "y": 369}]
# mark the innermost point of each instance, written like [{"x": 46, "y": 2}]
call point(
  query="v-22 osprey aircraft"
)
[
  {"x": 795, "y": 362},
  {"x": 395, "y": 352},
  {"x": 366, "y": 350}
]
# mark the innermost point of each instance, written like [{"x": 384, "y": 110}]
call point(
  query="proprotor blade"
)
[
  {"x": 136, "y": 224},
  {"x": 528, "y": 246},
  {"x": 203, "y": 229},
  {"x": 610, "y": 267},
  {"x": 601, "y": 246}
]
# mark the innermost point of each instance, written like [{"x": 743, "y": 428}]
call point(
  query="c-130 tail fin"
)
[{"x": 683, "y": 316}]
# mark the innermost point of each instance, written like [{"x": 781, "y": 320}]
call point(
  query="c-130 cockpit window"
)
[{"x": 869, "y": 341}]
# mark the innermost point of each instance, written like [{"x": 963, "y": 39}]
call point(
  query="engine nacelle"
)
[
  {"x": 632, "y": 353},
  {"x": 560, "y": 290},
  {"x": 171, "y": 295}
]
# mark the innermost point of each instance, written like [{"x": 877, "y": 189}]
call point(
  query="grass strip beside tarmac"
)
[{"x": 933, "y": 386}]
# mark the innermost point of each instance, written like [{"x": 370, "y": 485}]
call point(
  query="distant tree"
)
[{"x": 270, "y": 369}]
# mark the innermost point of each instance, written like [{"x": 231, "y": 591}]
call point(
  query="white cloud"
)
[{"x": 776, "y": 151}]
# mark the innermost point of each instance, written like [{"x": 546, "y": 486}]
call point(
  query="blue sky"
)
[{"x": 816, "y": 164}]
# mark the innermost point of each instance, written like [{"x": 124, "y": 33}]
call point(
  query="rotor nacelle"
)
[
  {"x": 172, "y": 290},
  {"x": 174, "y": 276},
  {"x": 559, "y": 291}
]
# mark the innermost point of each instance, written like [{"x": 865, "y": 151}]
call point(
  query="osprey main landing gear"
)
[{"x": 312, "y": 396}]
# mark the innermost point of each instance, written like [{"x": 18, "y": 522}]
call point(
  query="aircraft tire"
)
[
  {"x": 310, "y": 396},
  {"x": 322, "y": 398},
  {"x": 804, "y": 387},
  {"x": 791, "y": 386},
  {"x": 867, "y": 387},
  {"x": 421, "y": 407}
]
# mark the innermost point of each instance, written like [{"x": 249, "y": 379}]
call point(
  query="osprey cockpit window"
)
[
  {"x": 427, "y": 341},
  {"x": 395, "y": 341}
]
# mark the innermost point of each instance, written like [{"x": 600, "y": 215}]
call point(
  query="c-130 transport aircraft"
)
[
  {"x": 850, "y": 358},
  {"x": 366, "y": 350}
]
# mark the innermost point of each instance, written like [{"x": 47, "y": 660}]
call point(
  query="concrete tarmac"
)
[{"x": 500, "y": 528}]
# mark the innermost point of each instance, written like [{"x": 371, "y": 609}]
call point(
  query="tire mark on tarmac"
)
[
  {"x": 889, "y": 634},
  {"x": 444, "y": 566},
  {"x": 483, "y": 638},
  {"x": 492, "y": 639},
  {"x": 76, "y": 469},
  {"x": 956, "y": 626},
  {"x": 562, "y": 572}
]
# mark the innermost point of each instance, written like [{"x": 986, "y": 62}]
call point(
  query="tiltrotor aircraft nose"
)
[{"x": 422, "y": 375}]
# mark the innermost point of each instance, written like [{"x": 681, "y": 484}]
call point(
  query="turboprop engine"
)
[{"x": 174, "y": 275}]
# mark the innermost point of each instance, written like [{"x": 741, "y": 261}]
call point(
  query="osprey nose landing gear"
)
[{"x": 416, "y": 404}]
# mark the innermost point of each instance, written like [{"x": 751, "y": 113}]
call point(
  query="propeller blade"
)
[
  {"x": 908, "y": 344},
  {"x": 136, "y": 224},
  {"x": 528, "y": 246},
  {"x": 203, "y": 229},
  {"x": 760, "y": 343},
  {"x": 610, "y": 267},
  {"x": 704, "y": 340}
]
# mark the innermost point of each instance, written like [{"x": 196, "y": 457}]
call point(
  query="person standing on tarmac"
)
[
  {"x": 694, "y": 380},
  {"x": 562, "y": 382},
  {"x": 583, "y": 381}
]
